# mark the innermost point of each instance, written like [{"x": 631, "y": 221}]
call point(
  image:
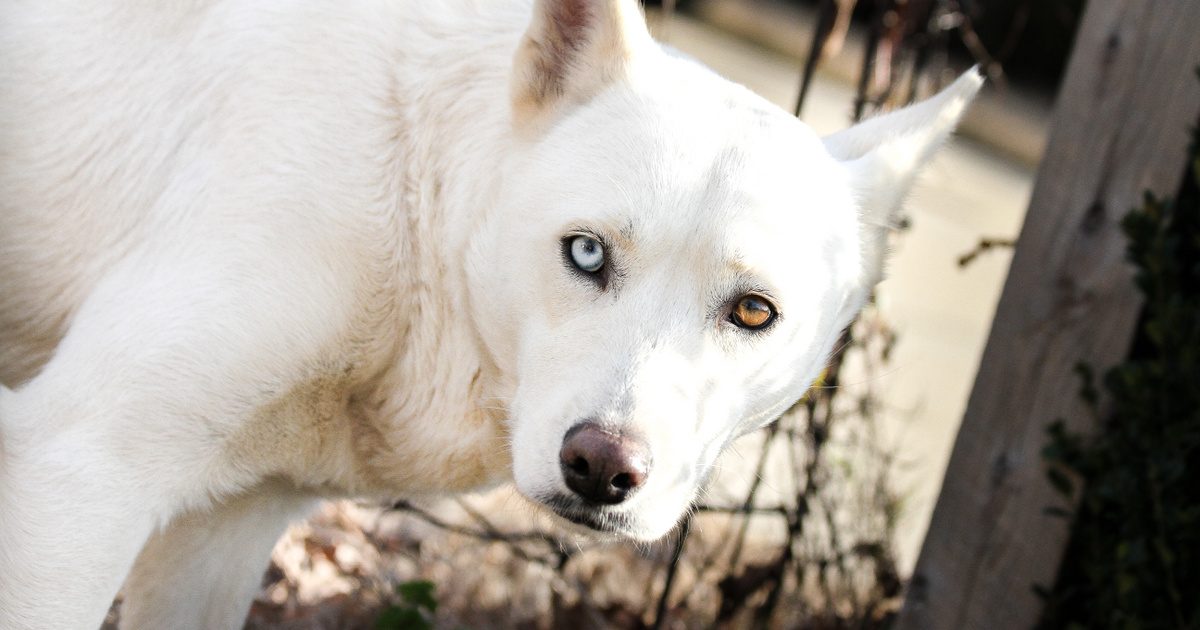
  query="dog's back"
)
[
  {"x": 70, "y": 202},
  {"x": 135, "y": 125}
]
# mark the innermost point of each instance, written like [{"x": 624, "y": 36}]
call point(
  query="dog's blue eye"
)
[{"x": 587, "y": 253}]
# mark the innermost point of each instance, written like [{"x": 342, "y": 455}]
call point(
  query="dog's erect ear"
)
[
  {"x": 886, "y": 153},
  {"x": 573, "y": 48}
]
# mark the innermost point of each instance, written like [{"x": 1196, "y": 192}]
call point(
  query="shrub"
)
[{"x": 1133, "y": 561}]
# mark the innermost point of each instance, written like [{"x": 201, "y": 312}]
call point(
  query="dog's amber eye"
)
[{"x": 753, "y": 312}]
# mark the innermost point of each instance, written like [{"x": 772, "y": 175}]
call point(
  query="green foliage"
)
[
  {"x": 1133, "y": 562},
  {"x": 418, "y": 602}
]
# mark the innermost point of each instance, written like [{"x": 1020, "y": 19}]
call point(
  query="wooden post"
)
[{"x": 1119, "y": 128}]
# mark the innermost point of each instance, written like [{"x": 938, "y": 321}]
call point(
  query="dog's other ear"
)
[
  {"x": 885, "y": 154},
  {"x": 573, "y": 48}
]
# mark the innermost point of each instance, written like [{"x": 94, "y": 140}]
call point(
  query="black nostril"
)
[
  {"x": 602, "y": 466},
  {"x": 622, "y": 481},
  {"x": 579, "y": 466}
]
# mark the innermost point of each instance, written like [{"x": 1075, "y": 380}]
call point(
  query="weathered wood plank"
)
[{"x": 1119, "y": 128}]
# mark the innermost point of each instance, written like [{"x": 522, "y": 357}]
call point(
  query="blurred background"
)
[{"x": 817, "y": 521}]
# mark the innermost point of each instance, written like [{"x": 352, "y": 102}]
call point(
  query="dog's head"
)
[{"x": 670, "y": 261}]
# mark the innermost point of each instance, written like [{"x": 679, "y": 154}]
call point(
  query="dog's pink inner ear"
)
[
  {"x": 885, "y": 154},
  {"x": 572, "y": 49}
]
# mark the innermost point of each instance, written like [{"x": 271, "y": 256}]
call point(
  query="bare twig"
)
[
  {"x": 660, "y": 611},
  {"x": 740, "y": 540},
  {"x": 560, "y": 552},
  {"x": 984, "y": 245},
  {"x": 833, "y": 20}
]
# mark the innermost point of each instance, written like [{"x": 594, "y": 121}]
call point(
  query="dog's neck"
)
[{"x": 456, "y": 138}]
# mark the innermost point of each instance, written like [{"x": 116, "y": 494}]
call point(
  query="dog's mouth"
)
[{"x": 601, "y": 520}]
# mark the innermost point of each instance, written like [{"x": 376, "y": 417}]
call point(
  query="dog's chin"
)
[
  {"x": 588, "y": 527},
  {"x": 599, "y": 523}
]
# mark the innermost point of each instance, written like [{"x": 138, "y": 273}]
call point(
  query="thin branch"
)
[
  {"x": 984, "y": 245},
  {"x": 554, "y": 545},
  {"x": 660, "y": 612}
]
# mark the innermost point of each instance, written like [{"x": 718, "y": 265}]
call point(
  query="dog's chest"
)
[{"x": 399, "y": 436}]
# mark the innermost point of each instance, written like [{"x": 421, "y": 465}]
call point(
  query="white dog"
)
[{"x": 257, "y": 252}]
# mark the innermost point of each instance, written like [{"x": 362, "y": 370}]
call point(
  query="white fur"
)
[{"x": 253, "y": 253}]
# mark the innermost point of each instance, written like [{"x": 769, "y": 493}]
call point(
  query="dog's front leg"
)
[
  {"x": 133, "y": 419},
  {"x": 205, "y": 568},
  {"x": 73, "y": 515}
]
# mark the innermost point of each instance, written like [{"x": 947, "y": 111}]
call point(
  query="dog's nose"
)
[{"x": 601, "y": 466}]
